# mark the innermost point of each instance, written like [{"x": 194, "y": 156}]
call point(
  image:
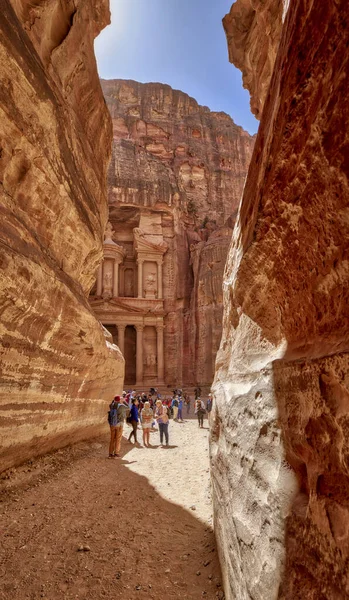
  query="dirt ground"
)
[{"x": 76, "y": 524}]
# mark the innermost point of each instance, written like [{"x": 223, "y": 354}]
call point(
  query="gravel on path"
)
[{"x": 76, "y": 524}]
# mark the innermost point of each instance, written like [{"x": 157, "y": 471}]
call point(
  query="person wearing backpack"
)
[
  {"x": 180, "y": 409},
  {"x": 123, "y": 411},
  {"x": 174, "y": 406},
  {"x": 113, "y": 420},
  {"x": 200, "y": 411}
]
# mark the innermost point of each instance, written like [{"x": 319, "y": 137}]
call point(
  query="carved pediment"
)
[
  {"x": 143, "y": 244},
  {"x": 115, "y": 306},
  {"x": 118, "y": 306}
]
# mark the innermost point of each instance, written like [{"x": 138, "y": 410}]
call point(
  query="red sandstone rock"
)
[
  {"x": 57, "y": 368},
  {"x": 182, "y": 167},
  {"x": 253, "y": 33},
  {"x": 280, "y": 443}
]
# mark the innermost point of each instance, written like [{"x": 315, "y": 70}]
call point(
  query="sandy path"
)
[
  {"x": 181, "y": 472},
  {"x": 134, "y": 516}
]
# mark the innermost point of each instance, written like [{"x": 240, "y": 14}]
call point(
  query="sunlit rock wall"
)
[
  {"x": 253, "y": 29},
  {"x": 57, "y": 368},
  {"x": 175, "y": 158},
  {"x": 280, "y": 435}
]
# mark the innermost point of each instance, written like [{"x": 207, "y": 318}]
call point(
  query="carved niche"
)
[{"x": 150, "y": 279}]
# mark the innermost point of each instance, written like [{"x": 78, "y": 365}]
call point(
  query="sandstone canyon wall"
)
[
  {"x": 179, "y": 168},
  {"x": 57, "y": 367},
  {"x": 280, "y": 433}
]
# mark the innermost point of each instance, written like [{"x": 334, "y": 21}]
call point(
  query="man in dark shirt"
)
[{"x": 134, "y": 420}]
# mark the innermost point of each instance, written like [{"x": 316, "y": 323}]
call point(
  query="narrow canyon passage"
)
[{"x": 77, "y": 525}]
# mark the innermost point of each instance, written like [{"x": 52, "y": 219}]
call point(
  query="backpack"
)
[{"x": 112, "y": 414}]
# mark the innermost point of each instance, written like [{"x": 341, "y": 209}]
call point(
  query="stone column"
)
[
  {"x": 140, "y": 278},
  {"x": 139, "y": 357},
  {"x": 121, "y": 337},
  {"x": 160, "y": 279},
  {"x": 116, "y": 280},
  {"x": 100, "y": 279},
  {"x": 160, "y": 353}
]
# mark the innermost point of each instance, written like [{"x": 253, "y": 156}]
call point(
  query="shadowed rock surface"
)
[
  {"x": 57, "y": 367},
  {"x": 179, "y": 165},
  {"x": 280, "y": 444}
]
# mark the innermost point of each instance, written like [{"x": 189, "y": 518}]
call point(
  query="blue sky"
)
[{"x": 179, "y": 42}]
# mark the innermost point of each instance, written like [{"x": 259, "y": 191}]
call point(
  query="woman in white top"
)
[{"x": 147, "y": 417}]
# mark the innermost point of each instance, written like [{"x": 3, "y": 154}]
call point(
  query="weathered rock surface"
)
[
  {"x": 280, "y": 444},
  {"x": 57, "y": 367},
  {"x": 253, "y": 30},
  {"x": 174, "y": 158}
]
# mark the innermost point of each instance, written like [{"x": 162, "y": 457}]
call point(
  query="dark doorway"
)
[
  {"x": 114, "y": 331},
  {"x": 130, "y": 355}
]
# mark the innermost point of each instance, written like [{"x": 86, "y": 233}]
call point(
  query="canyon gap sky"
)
[{"x": 179, "y": 42}]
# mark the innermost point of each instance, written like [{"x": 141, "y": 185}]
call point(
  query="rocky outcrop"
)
[
  {"x": 253, "y": 30},
  {"x": 175, "y": 160},
  {"x": 279, "y": 441},
  {"x": 57, "y": 367}
]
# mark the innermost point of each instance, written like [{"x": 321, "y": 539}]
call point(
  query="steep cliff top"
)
[{"x": 157, "y": 101}]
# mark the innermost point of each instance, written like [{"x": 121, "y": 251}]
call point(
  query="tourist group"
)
[{"x": 148, "y": 411}]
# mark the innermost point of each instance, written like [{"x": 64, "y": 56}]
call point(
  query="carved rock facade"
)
[
  {"x": 57, "y": 367},
  {"x": 280, "y": 437},
  {"x": 176, "y": 176}
]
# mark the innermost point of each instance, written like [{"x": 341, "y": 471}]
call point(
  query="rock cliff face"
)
[
  {"x": 279, "y": 442},
  {"x": 57, "y": 367},
  {"x": 174, "y": 158},
  {"x": 253, "y": 31}
]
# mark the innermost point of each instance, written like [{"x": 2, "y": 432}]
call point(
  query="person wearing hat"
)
[{"x": 118, "y": 412}]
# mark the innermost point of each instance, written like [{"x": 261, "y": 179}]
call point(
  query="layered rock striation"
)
[
  {"x": 279, "y": 440},
  {"x": 57, "y": 367},
  {"x": 181, "y": 167}
]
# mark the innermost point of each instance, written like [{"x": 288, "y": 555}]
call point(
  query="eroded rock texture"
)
[
  {"x": 182, "y": 167},
  {"x": 280, "y": 440},
  {"x": 57, "y": 367},
  {"x": 253, "y": 31}
]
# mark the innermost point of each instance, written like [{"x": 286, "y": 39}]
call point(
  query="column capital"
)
[
  {"x": 139, "y": 327},
  {"x": 140, "y": 261},
  {"x": 121, "y": 326},
  {"x": 160, "y": 326}
]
